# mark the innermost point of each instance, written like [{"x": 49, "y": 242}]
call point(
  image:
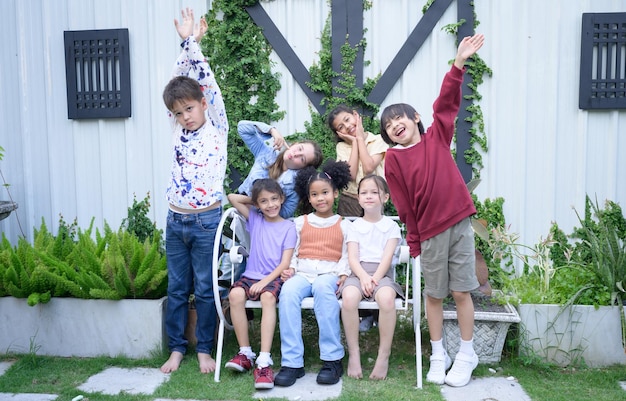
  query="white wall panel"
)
[{"x": 544, "y": 153}]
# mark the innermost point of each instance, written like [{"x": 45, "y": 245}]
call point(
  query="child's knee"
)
[
  {"x": 236, "y": 295},
  {"x": 351, "y": 296},
  {"x": 268, "y": 299}
]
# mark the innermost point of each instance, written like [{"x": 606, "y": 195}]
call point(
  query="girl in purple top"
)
[{"x": 272, "y": 242}]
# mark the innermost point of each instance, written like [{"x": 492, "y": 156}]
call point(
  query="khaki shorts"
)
[
  {"x": 448, "y": 261},
  {"x": 386, "y": 281}
]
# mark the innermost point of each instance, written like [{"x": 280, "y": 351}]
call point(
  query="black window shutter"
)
[
  {"x": 603, "y": 61},
  {"x": 97, "y": 68}
]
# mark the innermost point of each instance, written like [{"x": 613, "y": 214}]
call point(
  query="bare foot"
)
[
  {"x": 354, "y": 367},
  {"x": 380, "y": 368},
  {"x": 173, "y": 362},
  {"x": 207, "y": 363}
]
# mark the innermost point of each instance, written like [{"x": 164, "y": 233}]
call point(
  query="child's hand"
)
[
  {"x": 347, "y": 138},
  {"x": 257, "y": 287},
  {"x": 186, "y": 28},
  {"x": 287, "y": 274},
  {"x": 368, "y": 286},
  {"x": 279, "y": 141},
  {"x": 340, "y": 283},
  {"x": 467, "y": 48},
  {"x": 200, "y": 29}
]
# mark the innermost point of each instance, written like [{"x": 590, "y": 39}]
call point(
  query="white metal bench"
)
[{"x": 226, "y": 250}]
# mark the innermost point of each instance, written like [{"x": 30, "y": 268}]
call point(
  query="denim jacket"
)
[{"x": 254, "y": 135}]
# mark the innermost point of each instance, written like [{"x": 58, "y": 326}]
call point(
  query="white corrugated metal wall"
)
[{"x": 544, "y": 153}]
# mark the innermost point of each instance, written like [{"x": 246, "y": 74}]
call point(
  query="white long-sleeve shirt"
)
[{"x": 198, "y": 157}]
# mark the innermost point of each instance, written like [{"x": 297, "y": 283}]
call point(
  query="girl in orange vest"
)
[{"x": 319, "y": 265}]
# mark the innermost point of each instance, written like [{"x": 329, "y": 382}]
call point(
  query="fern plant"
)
[{"x": 83, "y": 264}]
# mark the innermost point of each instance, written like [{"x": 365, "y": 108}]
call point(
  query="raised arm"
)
[
  {"x": 254, "y": 134},
  {"x": 192, "y": 63},
  {"x": 467, "y": 48},
  {"x": 242, "y": 203}
]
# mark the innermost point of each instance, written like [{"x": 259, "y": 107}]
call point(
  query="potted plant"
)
[
  {"x": 570, "y": 295},
  {"x": 80, "y": 293}
]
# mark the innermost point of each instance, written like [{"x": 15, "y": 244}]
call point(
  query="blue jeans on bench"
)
[{"x": 326, "y": 309}]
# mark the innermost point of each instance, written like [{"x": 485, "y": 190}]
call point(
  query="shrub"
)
[{"x": 83, "y": 264}]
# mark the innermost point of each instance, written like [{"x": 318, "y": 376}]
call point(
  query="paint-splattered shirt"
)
[{"x": 198, "y": 157}]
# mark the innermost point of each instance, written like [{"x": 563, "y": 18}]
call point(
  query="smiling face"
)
[
  {"x": 299, "y": 155},
  {"x": 371, "y": 198},
  {"x": 403, "y": 130},
  {"x": 322, "y": 197},
  {"x": 269, "y": 203},
  {"x": 190, "y": 113},
  {"x": 346, "y": 123}
]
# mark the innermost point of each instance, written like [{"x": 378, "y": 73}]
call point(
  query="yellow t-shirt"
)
[{"x": 375, "y": 145}]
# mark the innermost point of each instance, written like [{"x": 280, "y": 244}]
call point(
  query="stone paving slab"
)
[
  {"x": 488, "y": 388},
  {"x": 4, "y": 366},
  {"x": 27, "y": 397},
  {"x": 305, "y": 389},
  {"x": 114, "y": 381}
]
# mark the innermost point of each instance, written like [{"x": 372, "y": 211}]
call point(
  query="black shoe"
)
[
  {"x": 287, "y": 376},
  {"x": 330, "y": 373}
]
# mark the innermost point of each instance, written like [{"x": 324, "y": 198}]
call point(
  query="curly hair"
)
[{"x": 337, "y": 173}]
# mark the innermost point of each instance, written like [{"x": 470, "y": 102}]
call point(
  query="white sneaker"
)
[
  {"x": 462, "y": 369},
  {"x": 439, "y": 364}
]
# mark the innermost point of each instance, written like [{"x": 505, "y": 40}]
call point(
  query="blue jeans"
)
[
  {"x": 326, "y": 309},
  {"x": 189, "y": 249}
]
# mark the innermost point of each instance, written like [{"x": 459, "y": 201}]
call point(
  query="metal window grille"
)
[
  {"x": 97, "y": 68},
  {"x": 603, "y": 61}
]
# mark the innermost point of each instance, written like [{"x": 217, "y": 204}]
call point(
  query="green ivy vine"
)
[
  {"x": 477, "y": 69},
  {"x": 240, "y": 58},
  {"x": 346, "y": 92}
]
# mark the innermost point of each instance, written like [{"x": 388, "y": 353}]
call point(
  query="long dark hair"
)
[
  {"x": 330, "y": 119},
  {"x": 276, "y": 169}
]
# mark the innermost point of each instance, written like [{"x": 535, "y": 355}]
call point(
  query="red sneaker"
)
[
  {"x": 263, "y": 378},
  {"x": 239, "y": 363}
]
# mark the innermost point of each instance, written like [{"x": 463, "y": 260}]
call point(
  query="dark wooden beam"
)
[
  {"x": 286, "y": 53},
  {"x": 465, "y": 11},
  {"x": 408, "y": 50},
  {"x": 346, "y": 25}
]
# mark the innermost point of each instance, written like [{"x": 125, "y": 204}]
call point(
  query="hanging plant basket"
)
[{"x": 6, "y": 207}]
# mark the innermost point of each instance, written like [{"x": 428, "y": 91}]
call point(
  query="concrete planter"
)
[
  {"x": 490, "y": 329},
  {"x": 579, "y": 333},
  {"x": 83, "y": 327}
]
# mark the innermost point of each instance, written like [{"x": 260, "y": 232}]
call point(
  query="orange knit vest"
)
[{"x": 321, "y": 243}]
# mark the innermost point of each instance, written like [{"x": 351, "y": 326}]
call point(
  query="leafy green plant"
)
[
  {"x": 240, "y": 58},
  {"x": 83, "y": 264},
  {"x": 604, "y": 239},
  {"x": 490, "y": 215},
  {"x": 587, "y": 267},
  {"x": 345, "y": 92},
  {"x": 476, "y": 69},
  {"x": 138, "y": 222}
]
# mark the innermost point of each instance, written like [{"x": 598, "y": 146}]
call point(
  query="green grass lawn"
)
[{"x": 53, "y": 375}]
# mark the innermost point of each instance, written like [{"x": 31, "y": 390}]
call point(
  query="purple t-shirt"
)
[{"x": 268, "y": 240}]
